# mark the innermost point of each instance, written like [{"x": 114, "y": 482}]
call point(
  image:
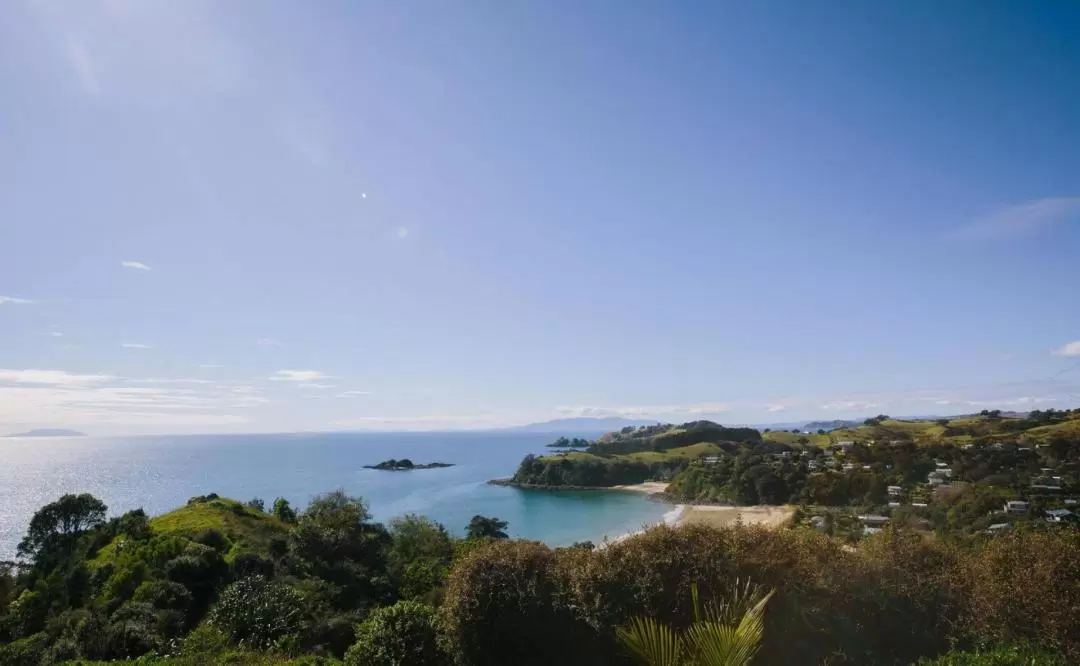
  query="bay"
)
[{"x": 160, "y": 473}]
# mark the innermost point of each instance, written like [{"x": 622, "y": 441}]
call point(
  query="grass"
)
[
  {"x": 247, "y": 529},
  {"x": 682, "y": 452},
  {"x": 1070, "y": 429},
  {"x": 792, "y": 438}
]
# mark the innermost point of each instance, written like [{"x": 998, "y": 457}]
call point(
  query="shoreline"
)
[
  {"x": 671, "y": 519},
  {"x": 714, "y": 516}
]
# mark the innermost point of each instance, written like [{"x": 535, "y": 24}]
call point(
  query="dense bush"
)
[
  {"x": 1009, "y": 655},
  {"x": 897, "y": 599},
  {"x": 255, "y": 612},
  {"x": 400, "y": 635},
  {"x": 510, "y": 603}
]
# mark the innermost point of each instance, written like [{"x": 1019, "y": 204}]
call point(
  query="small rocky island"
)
[{"x": 405, "y": 465}]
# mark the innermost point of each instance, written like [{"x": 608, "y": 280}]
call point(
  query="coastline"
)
[
  {"x": 671, "y": 519},
  {"x": 711, "y": 515}
]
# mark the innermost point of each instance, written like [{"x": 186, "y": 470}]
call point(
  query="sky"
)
[{"x": 266, "y": 215}]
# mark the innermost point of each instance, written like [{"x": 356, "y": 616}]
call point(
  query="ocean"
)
[{"x": 161, "y": 473}]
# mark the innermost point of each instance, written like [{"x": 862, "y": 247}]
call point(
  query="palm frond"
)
[{"x": 651, "y": 642}]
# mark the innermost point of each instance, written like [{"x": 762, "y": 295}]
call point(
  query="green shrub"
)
[
  {"x": 1009, "y": 655},
  {"x": 510, "y": 603},
  {"x": 1024, "y": 586},
  {"x": 27, "y": 651},
  {"x": 164, "y": 595},
  {"x": 401, "y": 635},
  {"x": 215, "y": 539},
  {"x": 255, "y": 612}
]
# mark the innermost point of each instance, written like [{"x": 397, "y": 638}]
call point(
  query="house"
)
[
  {"x": 1060, "y": 516},
  {"x": 919, "y": 504},
  {"x": 711, "y": 460},
  {"x": 894, "y": 491},
  {"x": 818, "y": 523},
  {"x": 1017, "y": 507},
  {"x": 873, "y": 519},
  {"x": 894, "y": 505},
  {"x": 1070, "y": 501},
  {"x": 997, "y": 528},
  {"x": 866, "y": 468},
  {"x": 845, "y": 446},
  {"x": 872, "y": 524},
  {"x": 849, "y": 467},
  {"x": 1046, "y": 483},
  {"x": 813, "y": 465}
]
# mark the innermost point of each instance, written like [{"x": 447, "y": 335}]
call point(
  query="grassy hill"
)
[{"x": 246, "y": 529}]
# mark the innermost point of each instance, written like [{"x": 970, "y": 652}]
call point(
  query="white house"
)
[
  {"x": 894, "y": 491},
  {"x": 1017, "y": 507}
]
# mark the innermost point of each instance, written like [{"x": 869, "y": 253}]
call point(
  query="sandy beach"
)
[
  {"x": 714, "y": 516},
  {"x": 650, "y": 487},
  {"x": 722, "y": 516}
]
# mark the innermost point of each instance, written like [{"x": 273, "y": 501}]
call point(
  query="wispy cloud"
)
[
  {"x": 313, "y": 385},
  {"x": 402, "y": 233},
  {"x": 1021, "y": 220},
  {"x": 352, "y": 394},
  {"x": 775, "y": 408},
  {"x": 644, "y": 411},
  {"x": 299, "y": 376},
  {"x": 83, "y": 66},
  {"x": 849, "y": 405},
  {"x": 11, "y": 300},
  {"x": 137, "y": 265},
  {"x": 1069, "y": 349},
  {"x": 51, "y": 378},
  {"x": 37, "y": 398},
  {"x": 267, "y": 343},
  {"x": 135, "y": 345},
  {"x": 55, "y": 334}
]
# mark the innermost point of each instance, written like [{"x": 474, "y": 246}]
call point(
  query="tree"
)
[
  {"x": 56, "y": 525},
  {"x": 482, "y": 526},
  {"x": 284, "y": 512},
  {"x": 256, "y": 504},
  {"x": 720, "y": 635},
  {"x": 256, "y": 612},
  {"x": 401, "y": 635}
]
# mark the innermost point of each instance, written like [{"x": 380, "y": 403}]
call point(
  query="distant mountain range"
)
[
  {"x": 49, "y": 432},
  {"x": 581, "y": 425}
]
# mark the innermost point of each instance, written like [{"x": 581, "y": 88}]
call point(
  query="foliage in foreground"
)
[
  {"x": 1006, "y": 655},
  {"x": 720, "y": 635}
]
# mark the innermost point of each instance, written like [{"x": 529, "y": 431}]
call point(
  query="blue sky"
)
[{"x": 260, "y": 216}]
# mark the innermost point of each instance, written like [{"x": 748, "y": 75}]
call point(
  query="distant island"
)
[
  {"x": 405, "y": 465},
  {"x": 49, "y": 432},
  {"x": 581, "y": 425}
]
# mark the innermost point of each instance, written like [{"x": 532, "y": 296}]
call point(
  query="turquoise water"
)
[{"x": 161, "y": 473}]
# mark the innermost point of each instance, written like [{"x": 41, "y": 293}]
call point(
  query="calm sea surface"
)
[{"x": 161, "y": 473}]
